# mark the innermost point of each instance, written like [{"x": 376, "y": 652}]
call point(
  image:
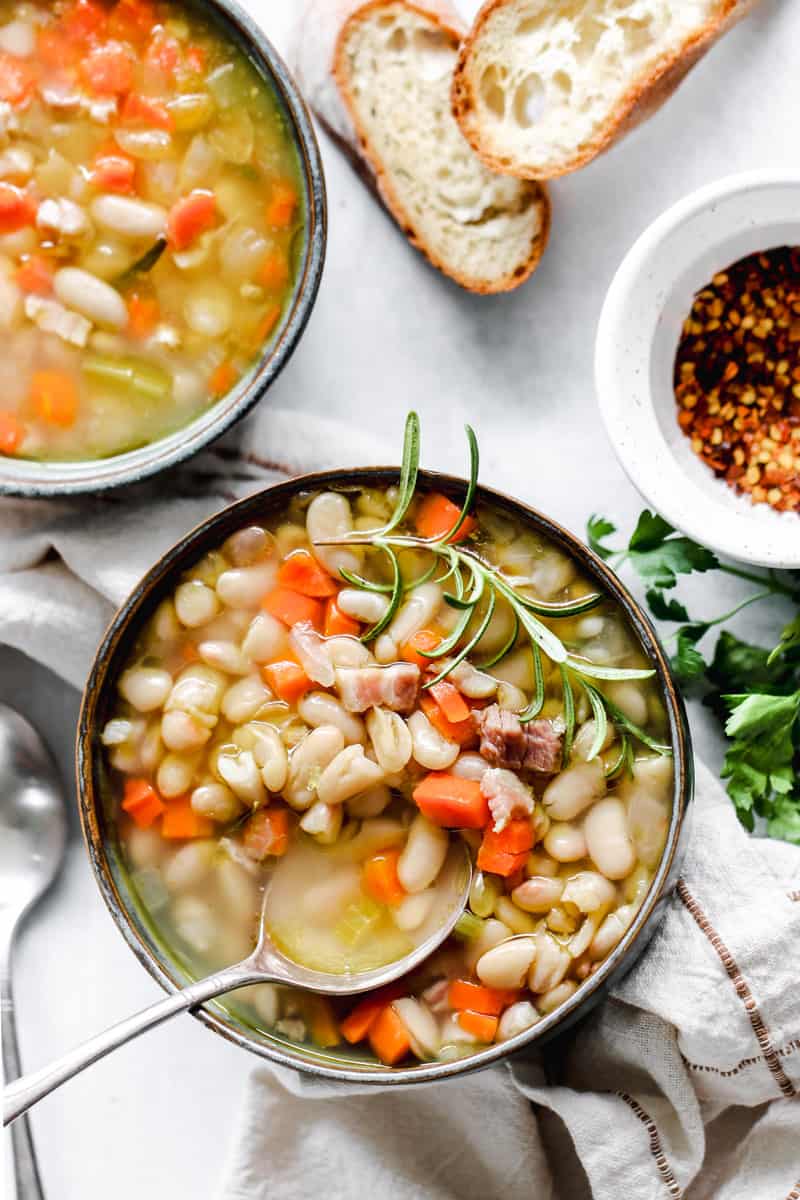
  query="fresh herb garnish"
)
[{"x": 142, "y": 265}]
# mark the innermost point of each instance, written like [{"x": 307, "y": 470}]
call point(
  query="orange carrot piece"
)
[
  {"x": 301, "y": 572},
  {"x": 181, "y": 821},
  {"x": 17, "y": 209},
  {"x": 452, "y": 802},
  {"x": 515, "y": 838},
  {"x": 83, "y": 21},
  {"x": 379, "y": 877},
  {"x": 164, "y": 53},
  {"x": 436, "y": 514},
  {"x": 463, "y": 732},
  {"x": 54, "y": 49},
  {"x": 132, "y": 20},
  {"x": 267, "y": 832},
  {"x": 281, "y": 204},
  {"x": 321, "y": 1021},
  {"x": 496, "y": 862},
  {"x": 287, "y": 680},
  {"x": 479, "y": 1025},
  {"x": 222, "y": 378},
  {"x": 142, "y": 802},
  {"x": 143, "y": 315},
  {"x": 389, "y": 1038},
  {"x": 195, "y": 59},
  {"x": 357, "y": 1024},
  {"x": 290, "y": 606},
  {"x": 144, "y": 111},
  {"x": 18, "y": 79},
  {"x": 337, "y": 623},
  {"x": 189, "y": 217},
  {"x": 12, "y": 432},
  {"x": 35, "y": 275},
  {"x": 54, "y": 397},
  {"x": 114, "y": 171},
  {"x": 423, "y": 639},
  {"x": 463, "y": 995},
  {"x": 267, "y": 324},
  {"x": 453, "y": 705},
  {"x": 274, "y": 271},
  {"x": 107, "y": 70}
]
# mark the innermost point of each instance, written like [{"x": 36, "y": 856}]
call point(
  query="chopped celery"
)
[
  {"x": 191, "y": 111},
  {"x": 229, "y": 85},
  {"x": 468, "y": 926},
  {"x": 137, "y": 375},
  {"x": 358, "y": 920}
]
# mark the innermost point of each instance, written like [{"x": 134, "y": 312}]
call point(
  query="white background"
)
[{"x": 388, "y": 332}]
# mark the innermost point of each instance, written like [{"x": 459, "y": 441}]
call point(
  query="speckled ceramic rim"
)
[
  {"x": 20, "y": 477},
  {"x": 92, "y": 780}
]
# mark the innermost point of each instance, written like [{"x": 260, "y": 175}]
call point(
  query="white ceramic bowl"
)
[{"x": 637, "y": 339}]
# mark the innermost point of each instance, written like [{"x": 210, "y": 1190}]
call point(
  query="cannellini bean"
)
[
  {"x": 492, "y": 934},
  {"x": 565, "y": 842},
  {"x": 199, "y": 690},
  {"x": 312, "y": 654},
  {"x": 216, "y": 801},
  {"x": 418, "y": 611},
  {"x": 323, "y": 902},
  {"x": 266, "y": 1000},
  {"x": 208, "y": 309},
  {"x": 195, "y": 924},
  {"x": 189, "y": 866},
  {"x": 238, "y": 891},
  {"x": 243, "y": 699},
  {"x": 550, "y": 965},
  {"x": 370, "y": 803},
  {"x": 239, "y": 770},
  {"x": 584, "y": 739},
  {"x": 511, "y": 698},
  {"x": 538, "y": 894},
  {"x": 323, "y": 821},
  {"x": 423, "y": 855},
  {"x": 265, "y": 640},
  {"x": 269, "y": 752},
  {"x": 580, "y": 941},
  {"x": 453, "y": 1035},
  {"x": 515, "y": 1020},
  {"x": 346, "y": 775},
  {"x": 611, "y": 931},
  {"x": 320, "y": 708},
  {"x": 118, "y": 731},
  {"x": 507, "y": 911},
  {"x": 472, "y": 682},
  {"x": 175, "y": 774},
  {"x": 329, "y": 516},
  {"x": 385, "y": 649},
  {"x": 630, "y": 698},
  {"x": 144, "y": 847},
  {"x": 540, "y": 863},
  {"x": 165, "y": 622},
  {"x": 128, "y": 217},
  {"x": 347, "y": 652},
  {"x": 588, "y": 891},
  {"x": 499, "y": 628},
  {"x": 364, "y": 606},
  {"x": 636, "y": 885},
  {"x": 589, "y": 627},
  {"x": 562, "y": 920},
  {"x": 414, "y": 910},
  {"x": 195, "y": 603},
  {"x": 608, "y": 840},
  {"x": 151, "y": 747},
  {"x": 248, "y": 546},
  {"x": 430, "y": 749},
  {"x": 225, "y": 656},
  {"x": 91, "y": 297},
  {"x": 145, "y": 688},
  {"x": 553, "y": 999},
  {"x": 506, "y": 965},
  {"x": 470, "y": 766},
  {"x": 377, "y": 833},
  {"x": 308, "y": 759},
  {"x": 573, "y": 790},
  {"x": 648, "y": 818},
  {"x": 390, "y": 737},
  {"x": 517, "y": 669},
  {"x": 551, "y": 572},
  {"x": 180, "y": 731},
  {"x": 420, "y": 1025},
  {"x": 245, "y": 587}
]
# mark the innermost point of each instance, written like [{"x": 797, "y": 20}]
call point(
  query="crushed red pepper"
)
[{"x": 737, "y": 377}]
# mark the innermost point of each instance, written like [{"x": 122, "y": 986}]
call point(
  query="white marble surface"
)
[{"x": 389, "y": 332}]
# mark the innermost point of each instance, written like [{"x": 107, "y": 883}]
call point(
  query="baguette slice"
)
[
  {"x": 378, "y": 75},
  {"x": 543, "y": 86}
]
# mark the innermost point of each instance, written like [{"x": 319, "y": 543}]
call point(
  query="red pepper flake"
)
[{"x": 737, "y": 377}]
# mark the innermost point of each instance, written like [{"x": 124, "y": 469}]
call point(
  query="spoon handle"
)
[
  {"x": 26, "y": 1170},
  {"x": 30, "y": 1089}
]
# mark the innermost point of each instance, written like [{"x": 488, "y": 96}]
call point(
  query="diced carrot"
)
[
  {"x": 287, "y": 680},
  {"x": 301, "y": 572},
  {"x": 54, "y": 49},
  {"x": 222, "y": 378},
  {"x": 515, "y": 838},
  {"x": 498, "y": 863},
  {"x": 338, "y": 623},
  {"x": 143, "y": 315},
  {"x": 389, "y": 1038},
  {"x": 289, "y": 606},
  {"x": 54, "y": 397},
  {"x": 142, "y": 802},
  {"x": 436, "y": 515},
  {"x": 322, "y": 1023},
  {"x": 17, "y": 208},
  {"x": 479, "y": 1025},
  {"x": 281, "y": 204},
  {"x": 114, "y": 171},
  {"x": 83, "y": 21},
  {"x": 267, "y": 324},
  {"x": 144, "y": 111},
  {"x": 12, "y": 433},
  {"x": 132, "y": 20},
  {"x": 423, "y": 639},
  {"x": 274, "y": 271},
  {"x": 190, "y": 653},
  {"x": 35, "y": 274},
  {"x": 476, "y": 998},
  {"x": 195, "y": 59},
  {"x": 357, "y": 1024},
  {"x": 164, "y": 53},
  {"x": 453, "y": 705},
  {"x": 18, "y": 79},
  {"x": 379, "y": 877},
  {"x": 452, "y": 802},
  {"x": 107, "y": 70},
  {"x": 267, "y": 832},
  {"x": 181, "y": 821},
  {"x": 189, "y": 217},
  {"x": 464, "y": 732}
]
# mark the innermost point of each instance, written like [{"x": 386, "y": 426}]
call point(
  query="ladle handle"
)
[{"x": 30, "y": 1089}]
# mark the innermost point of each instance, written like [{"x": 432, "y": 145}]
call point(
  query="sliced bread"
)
[
  {"x": 542, "y": 86},
  {"x": 378, "y": 75}
]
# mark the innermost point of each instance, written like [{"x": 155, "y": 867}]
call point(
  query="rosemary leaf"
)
[
  {"x": 572, "y": 608},
  {"x": 600, "y": 719},
  {"x": 623, "y": 761},
  {"x": 505, "y": 649},
  {"x": 582, "y": 666},
  {"x": 474, "y": 466},
  {"x": 462, "y": 654},
  {"x": 535, "y": 706},
  {"x": 569, "y": 714},
  {"x": 366, "y": 585},
  {"x": 408, "y": 473},
  {"x": 396, "y": 596},
  {"x": 623, "y": 722}
]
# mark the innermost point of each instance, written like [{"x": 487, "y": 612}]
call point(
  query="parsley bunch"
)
[{"x": 754, "y": 691}]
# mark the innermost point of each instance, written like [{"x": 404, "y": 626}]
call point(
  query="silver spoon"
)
[
  {"x": 267, "y": 964},
  {"x": 33, "y": 838}
]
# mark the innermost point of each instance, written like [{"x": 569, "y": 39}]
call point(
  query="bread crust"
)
[
  {"x": 344, "y": 126},
  {"x": 643, "y": 98}
]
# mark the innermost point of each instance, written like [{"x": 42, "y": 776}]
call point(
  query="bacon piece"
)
[
  {"x": 507, "y": 796},
  {"x": 506, "y": 742},
  {"x": 394, "y": 686},
  {"x": 310, "y": 649}
]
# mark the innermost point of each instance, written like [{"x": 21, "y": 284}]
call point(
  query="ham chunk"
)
[
  {"x": 395, "y": 687},
  {"x": 506, "y": 742},
  {"x": 309, "y": 647},
  {"x": 507, "y": 796}
]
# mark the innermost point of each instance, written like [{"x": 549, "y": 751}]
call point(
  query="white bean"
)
[
  {"x": 506, "y": 911},
  {"x": 472, "y": 682},
  {"x": 515, "y": 1020},
  {"x": 144, "y": 847},
  {"x": 431, "y": 750},
  {"x": 145, "y": 688},
  {"x": 506, "y": 965},
  {"x": 585, "y": 737},
  {"x": 553, "y": 999},
  {"x": 320, "y": 708},
  {"x": 266, "y": 1000},
  {"x": 390, "y": 737},
  {"x": 181, "y": 731},
  {"x": 538, "y": 894},
  {"x": 579, "y": 943},
  {"x": 90, "y": 296},
  {"x": 364, "y": 606},
  {"x": 370, "y": 803},
  {"x": 165, "y": 622},
  {"x": 511, "y": 698},
  {"x": 238, "y": 891},
  {"x": 347, "y": 652},
  {"x": 492, "y": 934},
  {"x": 608, "y": 840},
  {"x": 195, "y": 603},
  {"x": 195, "y": 924},
  {"x": 346, "y": 775},
  {"x": 423, "y": 855},
  {"x": 566, "y": 796},
  {"x": 630, "y": 698},
  {"x": 239, "y": 770},
  {"x": 329, "y": 516},
  {"x": 323, "y": 821},
  {"x": 189, "y": 866},
  {"x": 611, "y": 931},
  {"x": 151, "y": 747},
  {"x": 243, "y": 699},
  {"x": 208, "y": 309},
  {"x": 517, "y": 669},
  {"x": 550, "y": 965},
  {"x": 175, "y": 774},
  {"x": 225, "y": 656},
  {"x": 265, "y": 640},
  {"x": 198, "y": 689},
  {"x": 420, "y": 1025},
  {"x": 588, "y": 891},
  {"x": 418, "y": 611},
  {"x": 565, "y": 842},
  {"x": 129, "y": 217},
  {"x": 216, "y": 801},
  {"x": 269, "y": 752},
  {"x": 245, "y": 587},
  {"x": 385, "y": 649},
  {"x": 118, "y": 731},
  {"x": 540, "y": 863},
  {"x": 414, "y": 910},
  {"x": 470, "y": 766},
  {"x": 308, "y": 759},
  {"x": 323, "y": 902},
  {"x": 377, "y": 833}
]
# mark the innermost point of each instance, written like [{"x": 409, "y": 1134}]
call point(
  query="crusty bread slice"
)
[
  {"x": 378, "y": 74},
  {"x": 543, "y": 86}
]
